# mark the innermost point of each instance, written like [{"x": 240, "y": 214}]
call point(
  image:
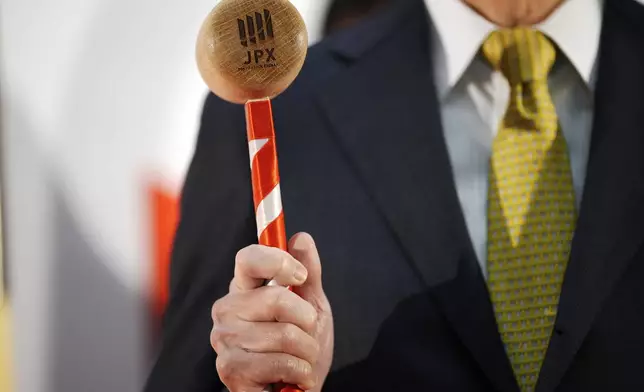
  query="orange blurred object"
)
[{"x": 165, "y": 217}]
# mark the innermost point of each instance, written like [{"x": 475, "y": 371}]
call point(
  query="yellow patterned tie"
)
[{"x": 531, "y": 202}]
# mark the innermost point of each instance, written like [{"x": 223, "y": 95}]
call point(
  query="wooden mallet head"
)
[{"x": 251, "y": 49}]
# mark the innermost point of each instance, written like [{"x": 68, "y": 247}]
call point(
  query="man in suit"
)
[{"x": 475, "y": 189}]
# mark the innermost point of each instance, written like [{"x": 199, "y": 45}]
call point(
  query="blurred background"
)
[{"x": 99, "y": 111}]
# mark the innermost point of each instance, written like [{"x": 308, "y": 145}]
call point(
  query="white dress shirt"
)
[{"x": 474, "y": 97}]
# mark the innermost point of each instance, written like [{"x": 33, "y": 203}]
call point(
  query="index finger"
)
[{"x": 256, "y": 264}]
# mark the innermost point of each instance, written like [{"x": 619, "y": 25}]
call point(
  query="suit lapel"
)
[
  {"x": 385, "y": 116},
  {"x": 609, "y": 229}
]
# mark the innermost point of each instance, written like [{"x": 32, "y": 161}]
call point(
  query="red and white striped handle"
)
[
  {"x": 265, "y": 174},
  {"x": 266, "y": 184}
]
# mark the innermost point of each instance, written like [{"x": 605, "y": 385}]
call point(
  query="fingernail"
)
[{"x": 300, "y": 273}]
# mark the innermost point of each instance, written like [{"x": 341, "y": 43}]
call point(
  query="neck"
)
[{"x": 514, "y": 13}]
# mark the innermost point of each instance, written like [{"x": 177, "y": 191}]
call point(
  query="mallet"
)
[{"x": 248, "y": 52}]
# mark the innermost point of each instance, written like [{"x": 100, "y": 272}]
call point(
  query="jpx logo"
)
[
  {"x": 256, "y": 30},
  {"x": 260, "y": 27}
]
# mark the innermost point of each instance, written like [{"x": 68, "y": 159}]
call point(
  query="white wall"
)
[{"x": 97, "y": 96}]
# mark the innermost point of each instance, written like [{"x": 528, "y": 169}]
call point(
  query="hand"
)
[{"x": 265, "y": 335}]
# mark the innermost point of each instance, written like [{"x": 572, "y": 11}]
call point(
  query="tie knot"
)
[{"x": 521, "y": 54}]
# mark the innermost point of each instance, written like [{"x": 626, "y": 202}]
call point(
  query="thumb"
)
[{"x": 302, "y": 247}]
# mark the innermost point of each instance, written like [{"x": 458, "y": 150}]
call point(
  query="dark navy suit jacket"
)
[{"x": 365, "y": 170}]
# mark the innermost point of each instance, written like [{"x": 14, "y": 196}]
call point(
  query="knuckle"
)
[
  {"x": 310, "y": 319},
  {"x": 225, "y": 368},
  {"x": 241, "y": 258},
  {"x": 215, "y": 339},
  {"x": 245, "y": 256},
  {"x": 302, "y": 368},
  {"x": 219, "y": 308},
  {"x": 218, "y": 338},
  {"x": 284, "y": 265},
  {"x": 292, "y": 368}
]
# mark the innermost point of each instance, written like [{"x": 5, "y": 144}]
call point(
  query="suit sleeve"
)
[{"x": 216, "y": 221}]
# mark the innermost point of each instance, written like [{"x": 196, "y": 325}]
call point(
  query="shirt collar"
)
[{"x": 459, "y": 32}]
